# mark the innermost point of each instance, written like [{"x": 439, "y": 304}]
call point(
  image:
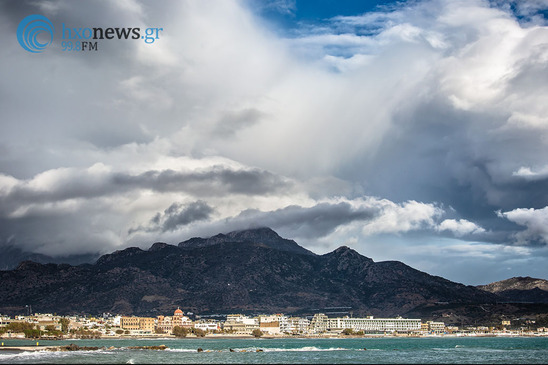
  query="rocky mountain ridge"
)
[
  {"x": 262, "y": 235},
  {"x": 244, "y": 271},
  {"x": 519, "y": 289}
]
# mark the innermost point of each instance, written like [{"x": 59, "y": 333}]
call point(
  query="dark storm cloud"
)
[
  {"x": 74, "y": 184},
  {"x": 177, "y": 215},
  {"x": 451, "y": 156},
  {"x": 63, "y": 231},
  {"x": 184, "y": 215},
  {"x": 308, "y": 222},
  {"x": 293, "y": 221}
]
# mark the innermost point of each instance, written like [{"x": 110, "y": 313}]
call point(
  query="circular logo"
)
[{"x": 30, "y": 28}]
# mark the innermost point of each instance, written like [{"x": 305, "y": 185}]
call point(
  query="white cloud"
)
[
  {"x": 7, "y": 183},
  {"x": 535, "y": 221},
  {"x": 459, "y": 227},
  {"x": 400, "y": 218},
  {"x": 529, "y": 174},
  {"x": 131, "y": 6}
]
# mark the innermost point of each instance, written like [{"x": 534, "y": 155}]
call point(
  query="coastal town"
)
[{"x": 179, "y": 324}]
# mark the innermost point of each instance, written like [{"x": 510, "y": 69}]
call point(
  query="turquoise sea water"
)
[{"x": 471, "y": 350}]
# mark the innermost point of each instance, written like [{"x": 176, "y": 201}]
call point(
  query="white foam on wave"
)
[
  {"x": 44, "y": 354},
  {"x": 462, "y": 348},
  {"x": 34, "y": 355},
  {"x": 151, "y": 339},
  {"x": 266, "y": 349},
  {"x": 182, "y": 350},
  {"x": 302, "y": 349},
  {"x": 21, "y": 355}
]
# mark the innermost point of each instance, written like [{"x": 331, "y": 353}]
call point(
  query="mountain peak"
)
[
  {"x": 519, "y": 289},
  {"x": 263, "y": 235},
  {"x": 158, "y": 246},
  {"x": 255, "y": 233},
  {"x": 119, "y": 254},
  {"x": 516, "y": 283},
  {"x": 38, "y": 267},
  {"x": 27, "y": 264},
  {"x": 345, "y": 251}
]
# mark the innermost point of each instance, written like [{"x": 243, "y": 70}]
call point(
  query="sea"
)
[{"x": 384, "y": 350}]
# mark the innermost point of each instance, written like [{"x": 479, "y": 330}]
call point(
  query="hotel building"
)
[{"x": 321, "y": 323}]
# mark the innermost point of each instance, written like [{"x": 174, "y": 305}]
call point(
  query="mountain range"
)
[{"x": 250, "y": 271}]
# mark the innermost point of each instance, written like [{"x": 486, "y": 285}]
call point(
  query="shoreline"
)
[
  {"x": 73, "y": 347},
  {"x": 265, "y": 337}
]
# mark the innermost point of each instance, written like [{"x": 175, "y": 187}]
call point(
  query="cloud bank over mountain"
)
[{"x": 414, "y": 131}]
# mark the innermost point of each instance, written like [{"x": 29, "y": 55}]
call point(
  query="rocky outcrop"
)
[{"x": 519, "y": 289}]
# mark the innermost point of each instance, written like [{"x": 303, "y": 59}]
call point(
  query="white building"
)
[
  {"x": 321, "y": 323},
  {"x": 298, "y": 325},
  {"x": 116, "y": 321},
  {"x": 240, "y": 324},
  {"x": 4, "y": 321},
  {"x": 207, "y": 326},
  {"x": 285, "y": 324},
  {"x": 273, "y": 324},
  {"x": 436, "y": 327}
]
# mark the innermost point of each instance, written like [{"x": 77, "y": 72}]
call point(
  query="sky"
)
[{"x": 414, "y": 131}]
